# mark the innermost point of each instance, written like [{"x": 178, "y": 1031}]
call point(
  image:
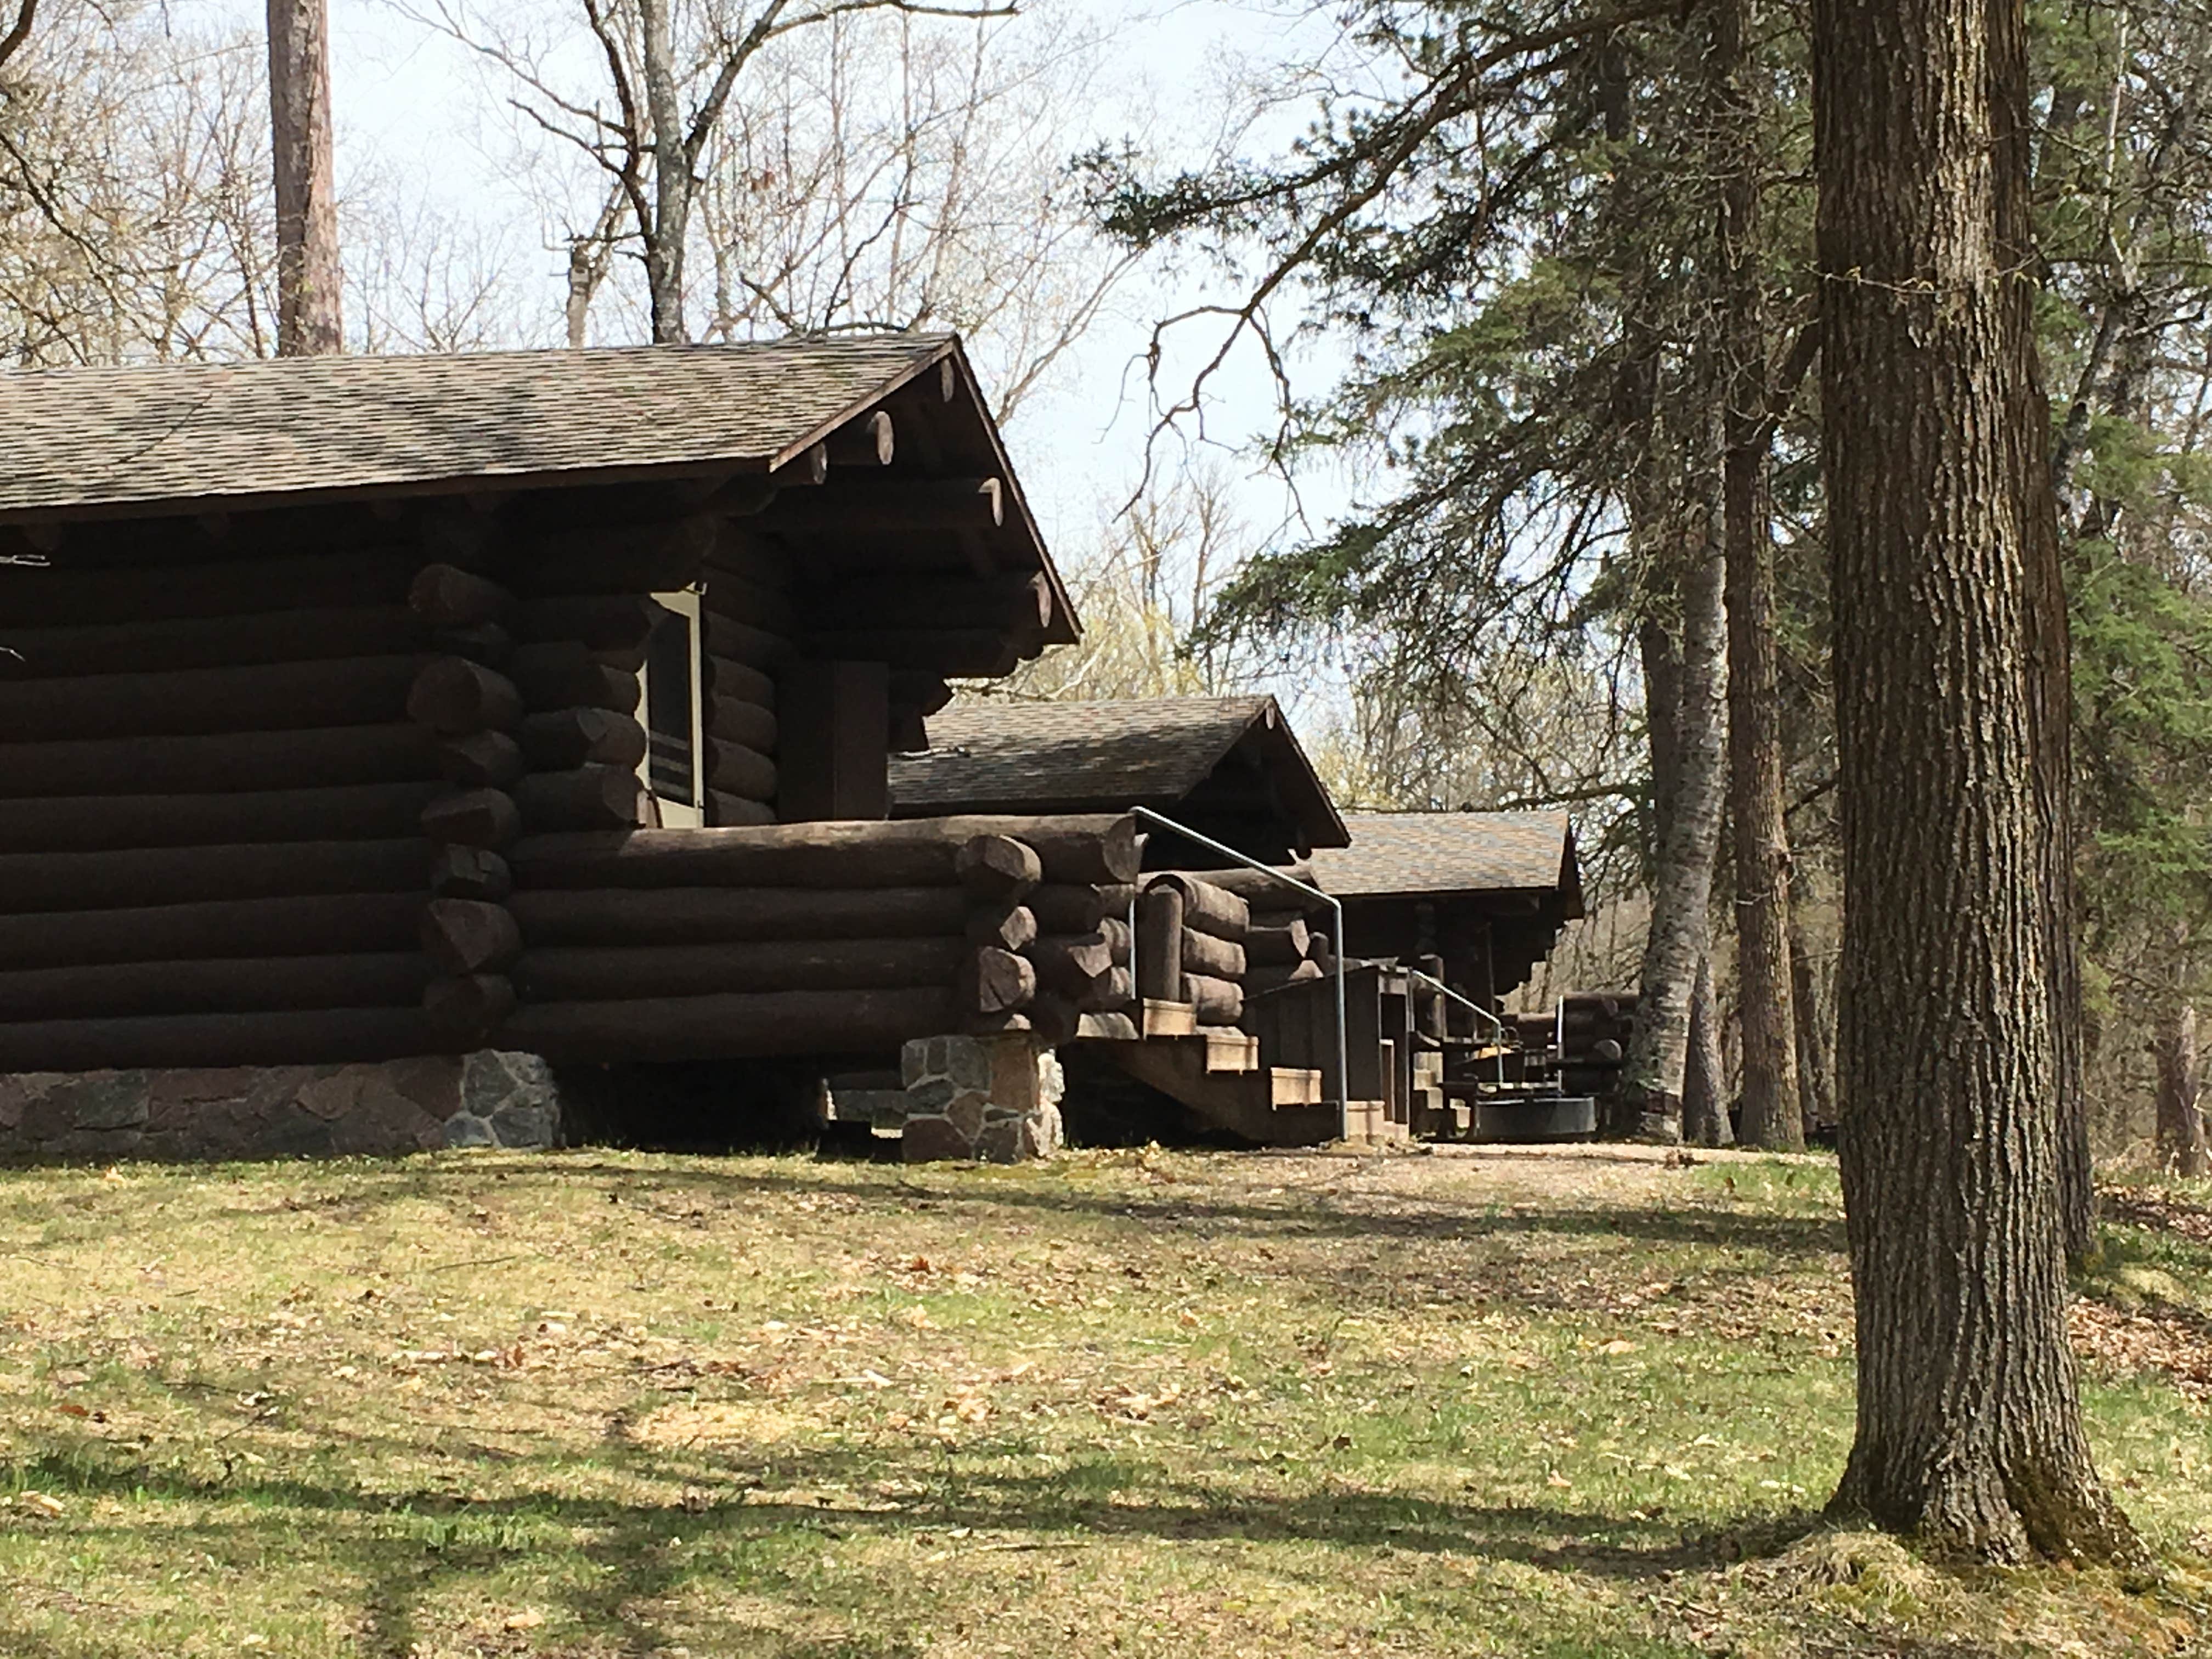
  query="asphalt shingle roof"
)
[
  {"x": 1447, "y": 853},
  {"x": 148, "y": 433}
]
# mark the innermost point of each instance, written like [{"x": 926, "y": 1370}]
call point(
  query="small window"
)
[{"x": 671, "y": 677}]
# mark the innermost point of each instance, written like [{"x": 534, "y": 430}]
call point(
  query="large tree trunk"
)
[
  {"x": 1682, "y": 875},
  {"x": 671, "y": 175},
  {"x": 2181, "y": 1139},
  {"x": 1705, "y": 1080},
  {"x": 1765, "y": 1012},
  {"x": 307, "y": 322},
  {"x": 1969, "y": 1426},
  {"x": 1816, "y": 1088}
]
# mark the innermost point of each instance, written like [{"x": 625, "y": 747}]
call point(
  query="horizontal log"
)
[
  {"x": 482, "y": 760},
  {"x": 474, "y": 817},
  {"x": 919, "y": 690},
  {"x": 745, "y": 642},
  {"x": 290, "y": 636},
  {"x": 597, "y": 622},
  {"x": 997, "y": 868},
  {"x": 470, "y": 873},
  {"x": 1279, "y": 945},
  {"x": 564, "y": 738},
  {"x": 1208, "y": 907},
  {"x": 306, "y": 1037},
  {"x": 900, "y": 505},
  {"x": 732, "y": 1026},
  {"x": 714, "y": 916},
  {"x": 1076, "y": 968},
  {"x": 732, "y": 604},
  {"x": 725, "y": 677},
  {"x": 469, "y": 936},
  {"x": 863, "y": 443},
  {"x": 249, "y": 985},
  {"x": 996, "y": 982},
  {"x": 1266, "y": 892},
  {"x": 658, "y": 557},
  {"x": 447, "y": 596},
  {"x": 77, "y": 595},
  {"x": 587, "y": 797},
  {"x": 1114, "y": 991},
  {"x": 33, "y": 882},
  {"x": 183, "y": 703},
  {"x": 486, "y": 642},
  {"x": 735, "y": 769},
  {"x": 566, "y": 675},
  {"x": 585, "y": 974},
  {"x": 1273, "y": 977},
  {"x": 1114, "y": 930},
  {"x": 736, "y": 812},
  {"x": 748, "y": 723},
  {"x": 979, "y": 654},
  {"x": 1067, "y": 908},
  {"x": 1010, "y": 926},
  {"x": 453, "y": 695},
  {"x": 319, "y": 925},
  {"x": 1204, "y": 954},
  {"x": 238, "y": 760},
  {"x": 1216, "y": 1001},
  {"x": 462, "y": 1010},
  {"x": 1014, "y": 604},
  {"x": 904, "y": 853},
  {"x": 1053, "y": 1018},
  {"x": 86, "y": 823}
]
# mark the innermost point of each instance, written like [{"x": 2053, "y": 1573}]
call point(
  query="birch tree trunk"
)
[
  {"x": 671, "y": 175},
  {"x": 1704, "y": 1079},
  {"x": 2181, "y": 1137},
  {"x": 1969, "y": 1423},
  {"x": 307, "y": 273}
]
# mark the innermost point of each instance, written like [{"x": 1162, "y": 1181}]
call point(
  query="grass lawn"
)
[{"x": 599, "y": 1404}]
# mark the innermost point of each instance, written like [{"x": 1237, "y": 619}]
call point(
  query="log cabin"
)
[{"x": 384, "y": 735}]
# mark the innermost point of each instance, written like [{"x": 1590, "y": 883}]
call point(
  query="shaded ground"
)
[{"x": 1577, "y": 1402}]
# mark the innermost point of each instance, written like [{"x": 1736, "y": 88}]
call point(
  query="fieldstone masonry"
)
[
  {"x": 484, "y": 1099},
  {"x": 995, "y": 1098}
]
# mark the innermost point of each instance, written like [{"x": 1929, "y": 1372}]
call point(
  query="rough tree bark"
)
[
  {"x": 1969, "y": 1424},
  {"x": 2181, "y": 1137},
  {"x": 672, "y": 158},
  {"x": 1816, "y": 1092},
  {"x": 1705, "y": 1080},
  {"x": 1651, "y": 1074},
  {"x": 1765, "y": 1014},
  {"x": 308, "y": 274}
]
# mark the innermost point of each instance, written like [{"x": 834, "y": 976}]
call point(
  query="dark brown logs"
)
[
  {"x": 1265, "y": 892},
  {"x": 487, "y": 643},
  {"x": 480, "y": 760},
  {"x": 470, "y": 873},
  {"x": 951, "y": 653},
  {"x": 741, "y": 1025},
  {"x": 447, "y": 597},
  {"x": 117, "y": 879},
  {"x": 369, "y": 980},
  {"x": 475, "y": 817},
  {"x": 863, "y": 443},
  {"x": 1208, "y": 908},
  {"x": 310, "y": 1037},
  {"x": 584, "y": 973},
  {"x": 76, "y": 595},
  {"x": 611, "y": 621},
  {"x": 563, "y": 674},
  {"x": 569, "y": 737},
  {"x": 997, "y": 868},
  {"x": 744, "y": 642},
  {"x": 1216, "y": 957},
  {"x": 1273, "y": 978},
  {"x": 747, "y": 723},
  {"x": 212, "y": 642},
  {"x": 900, "y": 505},
  {"x": 454, "y": 695},
  {"x": 737, "y": 770},
  {"x": 588, "y": 798},
  {"x": 182, "y": 703},
  {"x": 736, "y": 812},
  {"x": 1115, "y": 992},
  {"x": 1216, "y": 1001},
  {"x": 634, "y": 558},
  {"x": 714, "y": 916},
  {"x": 240, "y": 761},
  {"x": 727, "y": 678},
  {"x": 376, "y": 811},
  {"x": 996, "y": 982},
  {"x": 320, "y": 925},
  {"x": 464, "y": 1009},
  {"x": 731, "y": 597},
  {"x": 467, "y": 936},
  {"x": 1078, "y": 969},
  {"x": 1019, "y": 604},
  {"x": 919, "y": 690},
  {"x": 907, "y": 853},
  {"x": 1275, "y": 946},
  {"x": 1008, "y": 926},
  {"x": 1053, "y": 1018},
  {"x": 1064, "y": 908},
  {"x": 1159, "y": 944}
]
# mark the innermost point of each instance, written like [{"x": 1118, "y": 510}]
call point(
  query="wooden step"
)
[
  {"x": 1170, "y": 1019},
  {"x": 1228, "y": 1049},
  {"x": 1293, "y": 1085}
]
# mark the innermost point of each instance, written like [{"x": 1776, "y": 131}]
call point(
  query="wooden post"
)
[{"x": 835, "y": 748}]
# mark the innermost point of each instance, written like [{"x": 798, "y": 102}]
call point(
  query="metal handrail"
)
[
  {"x": 1497, "y": 1025},
  {"x": 1336, "y": 905}
]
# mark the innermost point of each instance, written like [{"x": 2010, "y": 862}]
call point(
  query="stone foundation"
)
[
  {"x": 992, "y": 1098},
  {"x": 483, "y": 1099}
]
